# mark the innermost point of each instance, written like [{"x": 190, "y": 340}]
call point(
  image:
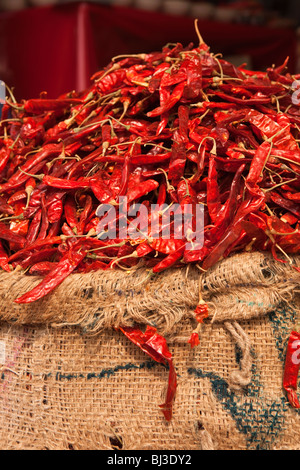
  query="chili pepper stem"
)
[
  {"x": 131, "y": 255},
  {"x": 279, "y": 184},
  {"x": 125, "y": 56},
  {"x": 14, "y": 142},
  {"x": 13, "y": 217},
  {"x": 10, "y": 93},
  {"x": 169, "y": 186},
  {"x": 149, "y": 275},
  {"x": 201, "y": 41},
  {"x": 18, "y": 108},
  {"x": 39, "y": 177},
  {"x": 11, "y": 120},
  {"x": 29, "y": 191},
  {"x": 284, "y": 253}
]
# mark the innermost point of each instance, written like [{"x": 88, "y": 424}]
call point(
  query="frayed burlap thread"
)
[
  {"x": 70, "y": 380},
  {"x": 239, "y": 379}
]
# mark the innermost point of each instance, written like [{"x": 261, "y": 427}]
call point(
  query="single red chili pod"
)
[
  {"x": 68, "y": 263},
  {"x": 38, "y": 106},
  {"x": 10, "y": 236},
  {"x": 201, "y": 312},
  {"x": 4, "y": 259},
  {"x": 194, "y": 340},
  {"x": 292, "y": 367},
  {"x": 156, "y": 347},
  {"x": 4, "y": 157},
  {"x": 168, "y": 261},
  {"x": 34, "y": 228}
]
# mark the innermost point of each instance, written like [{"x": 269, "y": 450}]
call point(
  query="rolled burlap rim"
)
[
  {"x": 62, "y": 384},
  {"x": 241, "y": 287}
]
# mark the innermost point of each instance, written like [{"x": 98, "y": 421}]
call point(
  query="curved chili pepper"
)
[
  {"x": 240, "y": 101},
  {"x": 101, "y": 190},
  {"x": 169, "y": 260},
  {"x": 42, "y": 268},
  {"x": 112, "y": 81},
  {"x": 233, "y": 232},
  {"x": 213, "y": 194},
  {"x": 38, "y": 257},
  {"x": 88, "y": 207},
  {"x": 290, "y": 206},
  {"x": 36, "y": 245},
  {"x": 38, "y": 106},
  {"x": 5, "y": 154},
  {"x": 11, "y": 236},
  {"x": 141, "y": 190},
  {"x": 156, "y": 347},
  {"x": 34, "y": 228},
  {"x": 170, "y": 102},
  {"x": 291, "y": 370},
  {"x": 56, "y": 275},
  {"x": 4, "y": 259}
]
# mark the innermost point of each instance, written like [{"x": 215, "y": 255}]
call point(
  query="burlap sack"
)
[{"x": 69, "y": 380}]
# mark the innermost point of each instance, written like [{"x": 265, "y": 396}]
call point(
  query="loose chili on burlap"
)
[{"x": 169, "y": 130}]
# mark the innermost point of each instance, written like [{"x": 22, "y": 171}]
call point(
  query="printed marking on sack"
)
[{"x": 2, "y": 352}]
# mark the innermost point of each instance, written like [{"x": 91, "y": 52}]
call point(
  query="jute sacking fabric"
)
[
  {"x": 70, "y": 381},
  {"x": 241, "y": 287}
]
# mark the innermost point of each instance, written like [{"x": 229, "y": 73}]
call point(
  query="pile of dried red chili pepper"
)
[{"x": 179, "y": 126}]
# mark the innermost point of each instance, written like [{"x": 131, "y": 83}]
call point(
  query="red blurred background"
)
[{"x": 57, "y": 48}]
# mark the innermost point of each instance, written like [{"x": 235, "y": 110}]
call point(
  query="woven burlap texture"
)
[{"x": 69, "y": 380}]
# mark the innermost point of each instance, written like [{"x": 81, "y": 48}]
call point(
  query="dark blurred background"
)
[{"x": 56, "y": 46}]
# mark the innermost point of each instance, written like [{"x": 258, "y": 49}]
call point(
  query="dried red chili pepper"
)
[
  {"x": 43, "y": 268},
  {"x": 34, "y": 228},
  {"x": 292, "y": 367},
  {"x": 63, "y": 269},
  {"x": 10, "y": 236},
  {"x": 233, "y": 232},
  {"x": 170, "y": 102},
  {"x": 156, "y": 347},
  {"x": 194, "y": 339},
  {"x": 44, "y": 220},
  {"x": 38, "y": 257},
  {"x": 180, "y": 139},
  {"x": 36, "y": 245},
  {"x": 54, "y": 210},
  {"x": 38, "y": 106},
  {"x": 213, "y": 194},
  {"x": 5, "y": 208},
  {"x": 88, "y": 207},
  {"x": 258, "y": 163},
  {"x": 290, "y": 206},
  {"x": 70, "y": 212},
  {"x": 5, "y": 154},
  {"x": 4, "y": 259},
  {"x": 18, "y": 196},
  {"x": 169, "y": 260},
  {"x": 141, "y": 190}
]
